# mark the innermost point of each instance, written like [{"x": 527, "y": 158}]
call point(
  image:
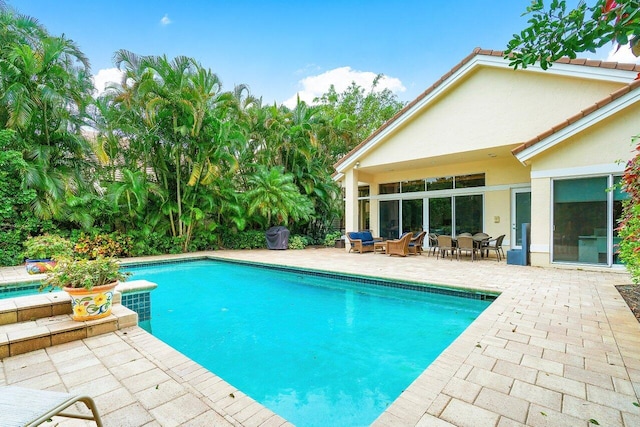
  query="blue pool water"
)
[{"x": 317, "y": 351}]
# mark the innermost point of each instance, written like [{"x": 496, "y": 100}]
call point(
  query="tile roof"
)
[{"x": 488, "y": 52}]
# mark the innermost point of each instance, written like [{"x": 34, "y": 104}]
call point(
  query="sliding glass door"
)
[
  {"x": 440, "y": 215},
  {"x": 468, "y": 213},
  {"x": 585, "y": 215},
  {"x": 412, "y": 215},
  {"x": 389, "y": 219}
]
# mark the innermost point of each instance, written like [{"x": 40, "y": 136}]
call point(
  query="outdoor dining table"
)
[{"x": 480, "y": 243}]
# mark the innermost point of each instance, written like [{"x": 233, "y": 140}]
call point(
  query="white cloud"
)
[
  {"x": 105, "y": 76},
  {"x": 341, "y": 78},
  {"x": 165, "y": 20},
  {"x": 623, "y": 55}
]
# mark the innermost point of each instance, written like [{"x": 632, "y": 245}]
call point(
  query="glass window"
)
[
  {"x": 580, "y": 220},
  {"x": 523, "y": 214},
  {"x": 442, "y": 183},
  {"x": 390, "y": 188},
  {"x": 413, "y": 186},
  {"x": 363, "y": 191},
  {"x": 389, "y": 211},
  {"x": 412, "y": 215},
  {"x": 363, "y": 215},
  {"x": 440, "y": 215},
  {"x": 467, "y": 181},
  {"x": 468, "y": 214}
]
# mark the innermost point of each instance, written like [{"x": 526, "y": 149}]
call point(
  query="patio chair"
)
[
  {"x": 415, "y": 244},
  {"x": 496, "y": 246},
  {"x": 433, "y": 243},
  {"x": 399, "y": 246},
  {"x": 361, "y": 241},
  {"x": 482, "y": 239},
  {"x": 466, "y": 244},
  {"x": 27, "y": 407},
  {"x": 445, "y": 244}
]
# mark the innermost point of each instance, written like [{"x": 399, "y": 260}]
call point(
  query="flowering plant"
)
[{"x": 84, "y": 273}]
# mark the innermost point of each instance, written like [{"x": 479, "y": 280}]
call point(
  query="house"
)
[{"x": 489, "y": 148}]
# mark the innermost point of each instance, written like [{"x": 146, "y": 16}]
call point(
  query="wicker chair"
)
[
  {"x": 445, "y": 244},
  {"x": 361, "y": 241},
  {"x": 466, "y": 244},
  {"x": 399, "y": 246},
  {"x": 415, "y": 244},
  {"x": 496, "y": 245},
  {"x": 433, "y": 243}
]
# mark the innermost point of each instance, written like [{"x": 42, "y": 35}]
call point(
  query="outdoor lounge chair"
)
[
  {"x": 415, "y": 244},
  {"x": 27, "y": 407},
  {"x": 361, "y": 241},
  {"x": 399, "y": 246}
]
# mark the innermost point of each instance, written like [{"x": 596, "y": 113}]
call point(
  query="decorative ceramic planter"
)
[
  {"x": 91, "y": 304},
  {"x": 38, "y": 266}
]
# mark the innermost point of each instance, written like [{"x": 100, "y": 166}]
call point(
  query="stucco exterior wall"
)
[
  {"x": 601, "y": 149},
  {"x": 491, "y": 108}
]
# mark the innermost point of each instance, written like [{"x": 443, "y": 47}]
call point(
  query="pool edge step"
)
[{"x": 30, "y": 335}]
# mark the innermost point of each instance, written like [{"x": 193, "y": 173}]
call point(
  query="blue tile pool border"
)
[
  {"x": 18, "y": 286},
  {"x": 398, "y": 284}
]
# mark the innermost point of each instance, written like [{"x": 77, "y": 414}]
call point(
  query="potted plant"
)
[
  {"x": 42, "y": 251},
  {"x": 90, "y": 284}
]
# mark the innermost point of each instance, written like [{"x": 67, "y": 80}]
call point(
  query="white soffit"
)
[
  {"x": 572, "y": 70},
  {"x": 579, "y": 126}
]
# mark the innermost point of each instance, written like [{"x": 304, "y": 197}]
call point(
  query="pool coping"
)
[
  {"x": 556, "y": 347},
  {"x": 470, "y": 293}
]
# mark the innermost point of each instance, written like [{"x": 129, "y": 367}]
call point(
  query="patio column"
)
[
  {"x": 351, "y": 201},
  {"x": 374, "y": 209}
]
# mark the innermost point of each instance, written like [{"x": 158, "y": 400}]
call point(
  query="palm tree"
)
[
  {"x": 273, "y": 195},
  {"x": 45, "y": 89}
]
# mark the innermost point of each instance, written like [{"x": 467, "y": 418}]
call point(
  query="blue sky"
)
[{"x": 280, "y": 48}]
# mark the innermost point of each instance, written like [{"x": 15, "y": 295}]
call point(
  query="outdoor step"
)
[
  {"x": 34, "y": 307},
  {"x": 23, "y": 336}
]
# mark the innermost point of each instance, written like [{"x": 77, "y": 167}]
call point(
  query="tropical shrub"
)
[
  {"x": 297, "y": 242},
  {"x": 103, "y": 245},
  {"x": 248, "y": 239},
  {"x": 47, "y": 246},
  {"x": 330, "y": 238}
]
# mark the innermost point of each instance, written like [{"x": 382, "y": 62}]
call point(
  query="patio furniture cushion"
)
[
  {"x": 366, "y": 236},
  {"x": 361, "y": 241}
]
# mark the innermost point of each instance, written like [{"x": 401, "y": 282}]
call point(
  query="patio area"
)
[{"x": 558, "y": 347}]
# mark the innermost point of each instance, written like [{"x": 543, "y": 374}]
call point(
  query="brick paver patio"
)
[{"x": 558, "y": 347}]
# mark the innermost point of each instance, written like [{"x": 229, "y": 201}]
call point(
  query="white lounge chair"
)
[{"x": 27, "y": 407}]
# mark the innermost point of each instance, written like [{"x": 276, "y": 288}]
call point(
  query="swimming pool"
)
[{"x": 316, "y": 350}]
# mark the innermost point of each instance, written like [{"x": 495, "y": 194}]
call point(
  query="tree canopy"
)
[
  {"x": 166, "y": 156},
  {"x": 557, "y": 31}
]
